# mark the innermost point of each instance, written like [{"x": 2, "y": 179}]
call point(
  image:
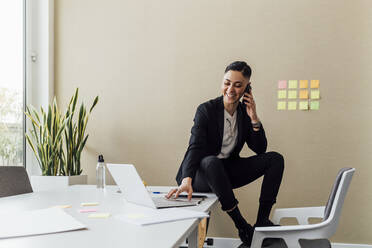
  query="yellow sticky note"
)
[
  {"x": 84, "y": 204},
  {"x": 314, "y": 84},
  {"x": 292, "y": 84},
  {"x": 315, "y": 94},
  {"x": 314, "y": 105},
  {"x": 99, "y": 215},
  {"x": 292, "y": 94},
  {"x": 304, "y": 105},
  {"x": 136, "y": 216},
  {"x": 63, "y": 206},
  {"x": 282, "y": 94},
  {"x": 281, "y": 105},
  {"x": 304, "y": 84},
  {"x": 292, "y": 105},
  {"x": 304, "y": 94}
]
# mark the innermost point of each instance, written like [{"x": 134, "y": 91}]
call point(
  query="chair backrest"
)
[
  {"x": 336, "y": 199},
  {"x": 14, "y": 181}
]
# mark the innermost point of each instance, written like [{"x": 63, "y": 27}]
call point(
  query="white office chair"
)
[{"x": 307, "y": 235}]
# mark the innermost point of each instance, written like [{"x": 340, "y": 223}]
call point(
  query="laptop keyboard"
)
[{"x": 161, "y": 202}]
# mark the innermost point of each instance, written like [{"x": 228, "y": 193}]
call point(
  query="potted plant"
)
[{"x": 60, "y": 165}]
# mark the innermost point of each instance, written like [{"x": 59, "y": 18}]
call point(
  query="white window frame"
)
[{"x": 39, "y": 63}]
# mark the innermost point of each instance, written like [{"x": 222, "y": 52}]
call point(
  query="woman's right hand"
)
[{"x": 185, "y": 186}]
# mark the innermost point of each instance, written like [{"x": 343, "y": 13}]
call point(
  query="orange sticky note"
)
[
  {"x": 304, "y": 84},
  {"x": 304, "y": 94},
  {"x": 314, "y": 84}
]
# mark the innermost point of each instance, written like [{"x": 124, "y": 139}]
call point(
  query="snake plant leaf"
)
[
  {"x": 94, "y": 104},
  {"x": 75, "y": 97}
]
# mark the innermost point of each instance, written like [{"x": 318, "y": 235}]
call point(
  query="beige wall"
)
[{"x": 153, "y": 62}]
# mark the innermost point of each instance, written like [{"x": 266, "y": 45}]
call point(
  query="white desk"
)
[{"x": 109, "y": 232}]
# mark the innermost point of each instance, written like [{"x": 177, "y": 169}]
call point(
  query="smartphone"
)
[{"x": 247, "y": 90}]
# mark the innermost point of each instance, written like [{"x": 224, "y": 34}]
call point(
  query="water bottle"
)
[{"x": 100, "y": 173}]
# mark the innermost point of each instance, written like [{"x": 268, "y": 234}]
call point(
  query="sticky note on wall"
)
[
  {"x": 292, "y": 94},
  {"x": 315, "y": 94},
  {"x": 281, "y": 105},
  {"x": 314, "y": 105},
  {"x": 292, "y": 84},
  {"x": 304, "y": 84},
  {"x": 282, "y": 84},
  {"x": 282, "y": 94},
  {"x": 304, "y": 105},
  {"x": 304, "y": 94},
  {"x": 292, "y": 105},
  {"x": 314, "y": 84}
]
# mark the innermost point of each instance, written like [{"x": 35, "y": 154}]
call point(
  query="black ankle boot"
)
[{"x": 246, "y": 234}]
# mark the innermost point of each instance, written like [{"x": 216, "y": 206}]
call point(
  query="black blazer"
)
[{"x": 207, "y": 133}]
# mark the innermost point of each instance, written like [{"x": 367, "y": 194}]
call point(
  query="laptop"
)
[{"x": 131, "y": 185}]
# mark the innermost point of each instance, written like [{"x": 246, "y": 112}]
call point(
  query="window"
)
[{"x": 12, "y": 82}]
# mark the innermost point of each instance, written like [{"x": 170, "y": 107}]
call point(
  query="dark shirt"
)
[{"x": 207, "y": 133}]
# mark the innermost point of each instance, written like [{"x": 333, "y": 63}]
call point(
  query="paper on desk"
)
[
  {"x": 35, "y": 222},
  {"x": 147, "y": 216}
]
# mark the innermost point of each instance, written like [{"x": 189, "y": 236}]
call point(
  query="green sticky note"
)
[
  {"x": 292, "y": 105},
  {"x": 292, "y": 84},
  {"x": 304, "y": 105},
  {"x": 282, "y": 94},
  {"x": 281, "y": 105},
  {"x": 292, "y": 94},
  {"x": 314, "y": 105},
  {"x": 315, "y": 94}
]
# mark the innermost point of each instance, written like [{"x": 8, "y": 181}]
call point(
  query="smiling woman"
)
[{"x": 11, "y": 82}]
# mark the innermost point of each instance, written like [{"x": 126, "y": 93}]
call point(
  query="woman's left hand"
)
[{"x": 250, "y": 107}]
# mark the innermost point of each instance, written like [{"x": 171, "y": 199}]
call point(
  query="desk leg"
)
[{"x": 193, "y": 238}]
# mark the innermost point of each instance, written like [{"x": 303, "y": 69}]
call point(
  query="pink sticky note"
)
[
  {"x": 282, "y": 84},
  {"x": 87, "y": 210}
]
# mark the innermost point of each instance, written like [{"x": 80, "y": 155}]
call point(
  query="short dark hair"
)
[{"x": 241, "y": 66}]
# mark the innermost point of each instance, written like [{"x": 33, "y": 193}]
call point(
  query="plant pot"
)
[{"x": 47, "y": 183}]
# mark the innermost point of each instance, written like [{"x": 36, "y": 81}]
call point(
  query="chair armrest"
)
[{"x": 301, "y": 214}]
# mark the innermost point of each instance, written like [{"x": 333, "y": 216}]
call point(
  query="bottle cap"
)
[{"x": 100, "y": 159}]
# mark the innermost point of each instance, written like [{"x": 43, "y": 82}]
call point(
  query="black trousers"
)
[{"x": 221, "y": 176}]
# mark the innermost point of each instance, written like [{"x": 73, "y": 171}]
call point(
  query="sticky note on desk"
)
[
  {"x": 99, "y": 215},
  {"x": 315, "y": 94},
  {"x": 282, "y": 84},
  {"x": 314, "y": 84},
  {"x": 281, "y": 105},
  {"x": 90, "y": 210},
  {"x": 63, "y": 206},
  {"x": 86, "y": 204},
  {"x": 292, "y": 84},
  {"x": 304, "y": 84},
  {"x": 282, "y": 94},
  {"x": 292, "y": 94},
  {"x": 304, "y": 94}
]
